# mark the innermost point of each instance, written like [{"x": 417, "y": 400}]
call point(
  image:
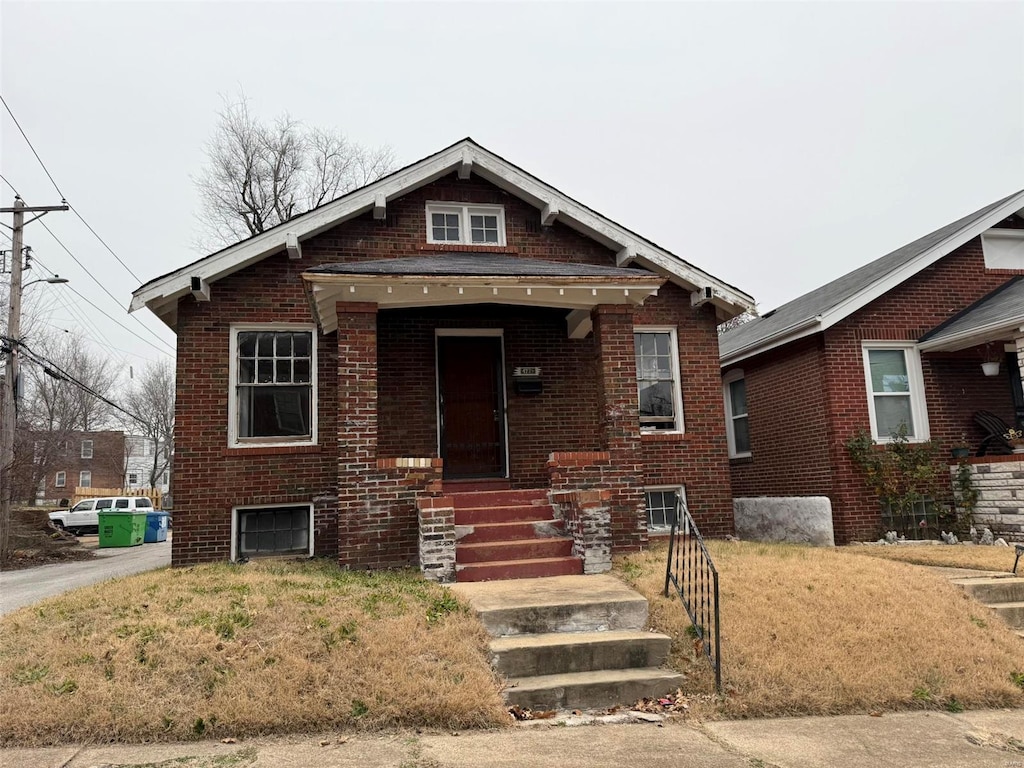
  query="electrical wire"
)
[
  {"x": 25, "y": 136},
  {"x": 9, "y": 185},
  {"x": 104, "y": 242}
]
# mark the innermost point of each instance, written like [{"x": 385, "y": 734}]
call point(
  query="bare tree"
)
[
  {"x": 259, "y": 175},
  {"x": 151, "y": 398}
]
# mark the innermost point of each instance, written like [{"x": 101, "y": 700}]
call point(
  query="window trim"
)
[
  {"x": 677, "y": 385},
  {"x": 234, "y": 441},
  {"x": 680, "y": 491},
  {"x": 81, "y": 477},
  {"x": 82, "y": 453},
  {"x": 60, "y": 479},
  {"x": 915, "y": 382},
  {"x": 465, "y": 210},
  {"x": 730, "y": 418},
  {"x": 256, "y": 507}
]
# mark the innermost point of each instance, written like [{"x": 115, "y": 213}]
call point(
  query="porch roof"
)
[
  {"x": 446, "y": 279},
  {"x": 999, "y": 316}
]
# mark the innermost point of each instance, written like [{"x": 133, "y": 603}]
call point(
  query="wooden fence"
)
[{"x": 155, "y": 494}]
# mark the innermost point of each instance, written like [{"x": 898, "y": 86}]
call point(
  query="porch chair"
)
[
  {"x": 1020, "y": 551},
  {"x": 994, "y": 429}
]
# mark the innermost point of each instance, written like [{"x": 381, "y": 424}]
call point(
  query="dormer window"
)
[{"x": 465, "y": 224}]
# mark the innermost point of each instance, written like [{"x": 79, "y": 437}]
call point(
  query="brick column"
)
[
  {"x": 1020, "y": 357},
  {"x": 620, "y": 424},
  {"x": 357, "y": 426}
]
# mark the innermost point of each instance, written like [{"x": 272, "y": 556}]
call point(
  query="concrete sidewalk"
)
[{"x": 982, "y": 739}]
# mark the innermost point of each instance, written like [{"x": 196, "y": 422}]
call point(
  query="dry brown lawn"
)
[
  {"x": 225, "y": 650},
  {"x": 831, "y": 631},
  {"x": 957, "y": 556}
]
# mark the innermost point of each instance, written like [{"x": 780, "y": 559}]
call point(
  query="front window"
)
[
  {"x": 60, "y": 479},
  {"x": 133, "y": 478},
  {"x": 85, "y": 479},
  {"x": 274, "y": 531},
  {"x": 86, "y": 449},
  {"x": 895, "y": 391},
  {"x": 657, "y": 375},
  {"x": 661, "y": 506},
  {"x": 275, "y": 385},
  {"x": 465, "y": 224},
  {"x": 737, "y": 421}
]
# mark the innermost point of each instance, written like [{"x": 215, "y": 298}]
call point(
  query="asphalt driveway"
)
[{"x": 24, "y": 587}]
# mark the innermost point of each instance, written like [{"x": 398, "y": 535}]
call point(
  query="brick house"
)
[
  {"x": 456, "y": 343},
  {"x": 78, "y": 459},
  {"x": 899, "y": 340}
]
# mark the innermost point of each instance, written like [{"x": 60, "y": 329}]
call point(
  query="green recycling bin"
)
[{"x": 122, "y": 529}]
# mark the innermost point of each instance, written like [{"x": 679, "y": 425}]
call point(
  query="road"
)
[{"x": 24, "y": 587}]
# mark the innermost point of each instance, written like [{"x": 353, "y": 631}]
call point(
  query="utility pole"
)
[{"x": 11, "y": 344}]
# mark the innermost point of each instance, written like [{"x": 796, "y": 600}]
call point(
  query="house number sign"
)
[{"x": 526, "y": 371}]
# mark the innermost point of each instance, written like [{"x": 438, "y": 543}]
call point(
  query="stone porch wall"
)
[{"x": 1000, "y": 484}]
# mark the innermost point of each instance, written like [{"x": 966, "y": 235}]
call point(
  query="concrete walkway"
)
[{"x": 983, "y": 739}]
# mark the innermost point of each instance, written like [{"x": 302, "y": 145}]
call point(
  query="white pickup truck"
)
[{"x": 84, "y": 516}]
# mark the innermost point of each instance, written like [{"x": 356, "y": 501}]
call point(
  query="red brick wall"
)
[
  {"x": 107, "y": 464},
  {"x": 209, "y": 478},
  {"x": 954, "y": 389}
]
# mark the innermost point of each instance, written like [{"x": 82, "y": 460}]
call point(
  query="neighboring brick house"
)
[
  {"x": 80, "y": 459},
  {"x": 456, "y": 334},
  {"x": 899, "y": 340}
]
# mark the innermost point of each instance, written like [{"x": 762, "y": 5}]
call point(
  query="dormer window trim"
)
[{"x": 465, "y": 224}]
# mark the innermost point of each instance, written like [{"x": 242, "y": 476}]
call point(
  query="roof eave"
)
[{"x": 783, "y": 336}]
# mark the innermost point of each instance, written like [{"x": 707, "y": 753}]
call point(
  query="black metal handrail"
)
[{"x": 695, "y": 578}]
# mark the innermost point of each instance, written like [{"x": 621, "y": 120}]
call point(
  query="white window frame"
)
[
  {"x": 464, "y": 211},
  {"x": 730, "y": 418},
  {"x": 86, "y": 453},
  {"x": 255, "y": 508},
  {"x": 234, "y": 441},
  {"x": 915, "y": 386},
  {"x": 679, "y": 490},
  {"x": 83, "y": 476},
  {"x": 60, "y": 479},
  {"x": 133, "y": 479},
  {"x": 677, "y": 387}
]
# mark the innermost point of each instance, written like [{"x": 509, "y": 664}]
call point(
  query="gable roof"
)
[
  {"x": 823, "y": 307},
  {"x": 998, "y": 315},
  {"x": 161, "y": 294}
]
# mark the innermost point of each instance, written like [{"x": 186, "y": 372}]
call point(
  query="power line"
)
[
  {"x": 126, "y": 267},
  {"x": 9, "y": 185},
  {"x": 25, "y": 136}
]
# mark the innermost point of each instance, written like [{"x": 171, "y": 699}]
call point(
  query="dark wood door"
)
[{"x": 472, "y": 406}]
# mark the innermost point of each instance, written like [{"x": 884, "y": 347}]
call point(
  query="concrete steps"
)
[
  {"x": 506, "y": 534},
  {"x": 571, "y": 642},
  {"x": 1002, "y": 594}
]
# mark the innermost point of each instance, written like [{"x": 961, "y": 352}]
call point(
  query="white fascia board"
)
[
  {"x": 880, "y": 287},
  {"x": 997, "y": 331},
  {"x": 790, "y": 333}
]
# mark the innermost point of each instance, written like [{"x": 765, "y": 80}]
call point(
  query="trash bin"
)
[
  {"x": 156, "y": 526},
  {"x": 122, "y": 529}
]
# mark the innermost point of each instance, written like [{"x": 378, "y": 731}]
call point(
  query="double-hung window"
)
[
  {"x": 60, "y": 480},
  {"x": 273, "y": 392},
  {"x": 86, "y": 452},
  {"x": 459, "y": 224},
  {"x": 657, "y": 378},
  {"x": 895, "y": 388},
  {"x": 737, "y": 421},
  {"x": 85, "y": 479}
]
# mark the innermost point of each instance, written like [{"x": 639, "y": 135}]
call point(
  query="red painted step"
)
[
  {"x": 512, "y": 514},
  {"x": 519, "y": 569},
  {"x": 499, "y": 551},
  {"x": 528, "y": 529},
  {"x": 499, "y": 498},
  {"x": 449, "y": 487}
]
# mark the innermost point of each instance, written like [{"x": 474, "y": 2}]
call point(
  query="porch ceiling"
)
[{"x": 404, "y": 283}]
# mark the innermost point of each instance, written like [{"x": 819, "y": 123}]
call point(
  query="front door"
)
[{"x": 472, "y": 406}]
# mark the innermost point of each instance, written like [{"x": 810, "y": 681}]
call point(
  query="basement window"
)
[
  {"x": 661, "y": 507},
  {"x": 460, "y": 224},
  {"x": 277, "y": 530}
]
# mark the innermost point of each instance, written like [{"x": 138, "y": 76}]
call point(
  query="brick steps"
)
[{"x": 505, "y": 534}]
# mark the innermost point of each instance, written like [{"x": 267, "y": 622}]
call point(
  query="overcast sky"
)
[{"x": 774, "y": 145}]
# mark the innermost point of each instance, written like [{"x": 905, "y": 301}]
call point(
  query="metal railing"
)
[{"x": 694, "y": 577}]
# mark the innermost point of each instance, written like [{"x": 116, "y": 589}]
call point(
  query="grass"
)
[
  {"x": 810, "y": 631},
  {"x": 228, "y": 650},
  {"x": 962, "y": 556}
]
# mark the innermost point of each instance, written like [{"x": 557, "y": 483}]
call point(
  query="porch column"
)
[
  {"x": 357, "y": 422},
  {"x": 1020, "y": 355},
  {"x": 620, "y": 424}
]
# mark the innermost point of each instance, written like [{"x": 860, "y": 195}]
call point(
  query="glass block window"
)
[
  {"x": 274, "y": 384},
  {"x": 274, "y": 531},
  {"x": 657, "y": 374}
]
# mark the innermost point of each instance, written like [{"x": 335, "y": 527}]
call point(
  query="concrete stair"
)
[
  {"x": 1004, "y": 595},
  {"x": 571, "y": 642},
  {"x": 505, "y": 534}
]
